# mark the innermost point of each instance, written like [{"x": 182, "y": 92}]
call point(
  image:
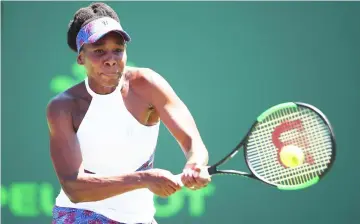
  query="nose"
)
[{"x": 110, "y": 62}]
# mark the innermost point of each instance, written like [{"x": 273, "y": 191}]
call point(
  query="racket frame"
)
[{"x": 213, "y": 169}]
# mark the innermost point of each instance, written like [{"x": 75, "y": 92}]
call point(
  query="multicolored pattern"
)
[
  {"x": 94, "y": 30},
  {"x": 63, "y": 215}
]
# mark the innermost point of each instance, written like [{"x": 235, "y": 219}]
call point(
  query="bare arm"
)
[
  {"x": 174, "y": 114},
  {"x": 67, "y": 160}
]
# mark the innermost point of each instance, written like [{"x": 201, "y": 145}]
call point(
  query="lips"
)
[{"x": 112, "y": 74}]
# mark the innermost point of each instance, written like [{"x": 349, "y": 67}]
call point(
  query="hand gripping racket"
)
[{"x": 298, "y": 125}]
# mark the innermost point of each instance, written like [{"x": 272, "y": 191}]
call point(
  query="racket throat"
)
[{"x": 212, "y": 170}]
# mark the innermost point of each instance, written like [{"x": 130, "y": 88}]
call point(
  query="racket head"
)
[{"x": 292, "y": 123}]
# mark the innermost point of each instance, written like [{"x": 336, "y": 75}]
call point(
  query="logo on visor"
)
[{"x": 105, "y": 22}]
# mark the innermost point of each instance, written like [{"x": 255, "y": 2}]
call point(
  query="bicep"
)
[
  {"x": 172, "y": 110},
  {"x": 64, "y": 146}
]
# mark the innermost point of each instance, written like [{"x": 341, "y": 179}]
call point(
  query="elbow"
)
[
  {"x": 74, "y": 195},
  {"x": 74, "y": 198}
]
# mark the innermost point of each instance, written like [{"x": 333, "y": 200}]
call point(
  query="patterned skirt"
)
[{"x": 63, "y": 215}]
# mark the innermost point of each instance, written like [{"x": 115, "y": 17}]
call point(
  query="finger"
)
[
  {"x": 172, "y": 188},
  {"x": 167, "y": 190},
  {"x": 192, "y": 180},
  {"x": 184, "y": 177},
  {"x": 165, "y": 187},
  {"x": 203, "y": 180},
  {"x": 196, "y": 179},
  {"x": 178, "y": 186},
  {"x": 197, "y": 169},
  {"x": 204, "y": 177},
  {"x": 200, "y": 182},
  {"x": 178, "y": 181},
  {"x": 195, "y": 173},
  {"x": 201, "y": 175},
  {"x": 163, "y": 195},
  {"x": 188, "y": 179},
  {"x": 199, "y": 186},
  {"x": 173, "y": 182}
]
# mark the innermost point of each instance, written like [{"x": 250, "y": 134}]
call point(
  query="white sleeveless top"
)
[{"x": 113, "y": 142}]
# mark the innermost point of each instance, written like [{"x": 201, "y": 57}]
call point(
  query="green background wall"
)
[{"x": 228, "y": 62}]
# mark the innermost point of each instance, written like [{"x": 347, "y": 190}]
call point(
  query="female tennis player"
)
[{"x": 104, "y": 130}]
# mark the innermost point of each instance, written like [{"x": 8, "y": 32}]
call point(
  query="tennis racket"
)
[{"x": 299, "y": 125}]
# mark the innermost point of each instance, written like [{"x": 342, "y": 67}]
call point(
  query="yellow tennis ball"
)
[{"x": 292, "y": 156}]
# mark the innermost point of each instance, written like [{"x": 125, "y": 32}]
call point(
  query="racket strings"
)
[
  {"x": 263, "y": 155},
  {"x": 296, "y": 181},
  {"x": 316, "y": 143},
  {"x": 295, "y": 171}
]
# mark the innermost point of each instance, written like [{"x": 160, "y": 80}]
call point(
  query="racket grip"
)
[{"x": 203, "y": 173}]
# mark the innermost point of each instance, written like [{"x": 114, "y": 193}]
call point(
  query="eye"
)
[
  {"x": 119, "y": 50},
  {"x": 98, "y": 51}
]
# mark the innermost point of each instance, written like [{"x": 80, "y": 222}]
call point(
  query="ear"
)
[{"x": 80, "y": 59}]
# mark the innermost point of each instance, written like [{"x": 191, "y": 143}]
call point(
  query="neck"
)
[{"x": 101, "y": 89}]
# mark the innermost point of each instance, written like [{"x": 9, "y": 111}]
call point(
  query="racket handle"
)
[{"x": 203, "y": 173}]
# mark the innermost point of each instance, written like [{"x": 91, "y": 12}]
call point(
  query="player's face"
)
[{"x": 105, "y": 59}]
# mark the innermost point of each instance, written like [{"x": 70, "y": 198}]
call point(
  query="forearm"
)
[
  {"x": 182, "y": 125},
  {"x": 192, "y": 144},
  {"x": 196, "y": 153},
  {"x": 88, "y": 187}
]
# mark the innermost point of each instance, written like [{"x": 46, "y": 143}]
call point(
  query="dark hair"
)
[{"x": 86, "y": 15}]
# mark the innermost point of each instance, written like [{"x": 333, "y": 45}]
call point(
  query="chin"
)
[
  {"x": 110, "y": 81},
  {"x": 111, "y": 84}
]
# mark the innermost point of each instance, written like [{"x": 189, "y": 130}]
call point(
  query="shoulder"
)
[
  {"x": 58, "y": 105},
  {"x": 137, "y": 73},
  {"x": 62, "y": 104},
  {"x": 143, "y": 76},
  {"x": 150, "y": 85}
]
